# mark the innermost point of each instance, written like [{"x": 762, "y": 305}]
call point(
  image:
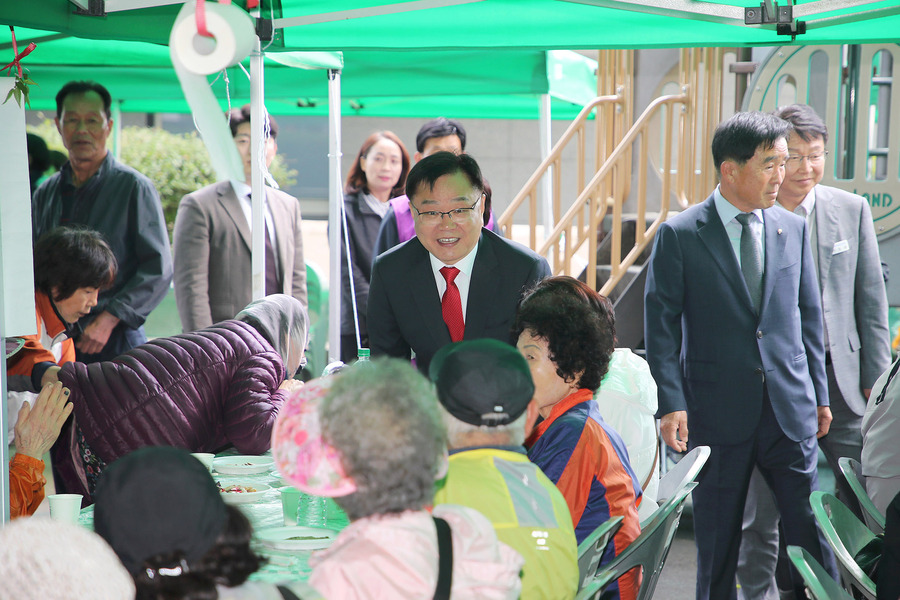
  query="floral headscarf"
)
[{"x": 301, "y": 454}]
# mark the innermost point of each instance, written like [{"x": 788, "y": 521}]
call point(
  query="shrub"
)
[{"x": 177, "y": 164}]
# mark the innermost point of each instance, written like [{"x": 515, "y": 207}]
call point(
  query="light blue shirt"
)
[{"x": 728, "y": 213}]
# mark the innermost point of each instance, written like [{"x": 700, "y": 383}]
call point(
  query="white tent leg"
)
[
  {"x": 547, "y": 181},
  {"x": 335, "y": 202},
  {"x": 257, "y": 151}
]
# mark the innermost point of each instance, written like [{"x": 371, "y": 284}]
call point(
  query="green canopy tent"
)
[
  {"x": 482, "y": 24},
  {"x": 468, "y": 84}
]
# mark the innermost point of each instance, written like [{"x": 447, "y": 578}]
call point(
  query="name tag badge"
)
[{"x": 841, "y": 246}]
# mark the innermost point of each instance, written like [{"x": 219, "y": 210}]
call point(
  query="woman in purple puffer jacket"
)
[{"x": 200, "y": 391}]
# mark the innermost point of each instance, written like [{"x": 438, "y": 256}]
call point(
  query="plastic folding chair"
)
[
  {"x": 591, "y": 549},
  {"x": 846, "y": 535},
  {"x": 819, "y": 583},
  {"x": 592, "y": 591},
  {"x": 648, "y": 551},
  {"x": 684, "y": 472},
  {"x": 852, "y": 472}
]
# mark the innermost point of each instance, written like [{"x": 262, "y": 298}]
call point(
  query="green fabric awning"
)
[{"x": 510, "y": 24}]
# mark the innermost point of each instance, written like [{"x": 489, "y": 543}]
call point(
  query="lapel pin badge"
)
[{"x": 779, "y": 232}]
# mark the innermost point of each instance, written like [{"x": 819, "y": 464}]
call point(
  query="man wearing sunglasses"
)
[{"x": 455, "y": 280}]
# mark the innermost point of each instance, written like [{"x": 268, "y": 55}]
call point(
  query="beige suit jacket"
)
[{"x": 212, "y": 253}]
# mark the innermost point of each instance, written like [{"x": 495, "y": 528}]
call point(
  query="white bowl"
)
[
  {"x": 245, "y": 497},
  {"x": 242, "y": 465}
]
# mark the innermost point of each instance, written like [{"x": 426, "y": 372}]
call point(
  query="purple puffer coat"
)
[{"x": 199, "y": 391}]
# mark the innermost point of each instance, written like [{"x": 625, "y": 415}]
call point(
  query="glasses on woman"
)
[
  {"x": 457, "y": 215},
  {"x": 816, "y": 158}
]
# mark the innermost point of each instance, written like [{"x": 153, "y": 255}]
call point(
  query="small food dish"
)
[
  {"x": 242, "y": 465},
  {"x": 235, "y": 493},
  {"x": 296, "y": 538}
]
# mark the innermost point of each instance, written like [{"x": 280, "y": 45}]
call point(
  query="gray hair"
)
[
  {"x": 382, "y": 417},
  {"x": 278, "y": 318},
  {"x": 511, "y": 434}
]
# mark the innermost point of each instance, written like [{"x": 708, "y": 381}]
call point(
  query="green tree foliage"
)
[{"x": 177, "y": 164}]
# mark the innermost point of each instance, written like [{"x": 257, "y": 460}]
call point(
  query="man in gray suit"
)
[
  {"x": 857, "y": 341},
  {"x": 212, "y": 241},
  {"x": 734, "y": 341}
]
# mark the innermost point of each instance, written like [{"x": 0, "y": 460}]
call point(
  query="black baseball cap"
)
[{"x": 482, "y": 382}]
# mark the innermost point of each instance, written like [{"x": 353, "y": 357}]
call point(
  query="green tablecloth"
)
[{"x": 263, "y": 514}]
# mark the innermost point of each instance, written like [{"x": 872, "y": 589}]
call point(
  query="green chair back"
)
[
  {"x": 317, "y": 293},
  {"x": 852, "y": 472},
  {"x": 846, "y": 535},
  {"x": 684, "y": 472},
  {"x": 819, "y": 583},
  {"x": 649, "y": 550},
  {"x": 592, "y": 591},
  {"x": 591, "y": 549}
]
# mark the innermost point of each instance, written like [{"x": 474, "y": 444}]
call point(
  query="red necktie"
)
[{"x": 451, "y": 305}]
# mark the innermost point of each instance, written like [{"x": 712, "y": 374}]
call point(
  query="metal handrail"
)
[
  {"x": 600, "y": 188},
  {"x": 682, "y": 173}
]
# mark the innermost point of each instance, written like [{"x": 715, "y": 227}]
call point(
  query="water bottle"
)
[
  {"x": 362, "y": 355},
  {"x": 311, "y": 511}
]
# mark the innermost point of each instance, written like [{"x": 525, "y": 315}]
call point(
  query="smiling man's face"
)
[{"x": 449, "y": 240}]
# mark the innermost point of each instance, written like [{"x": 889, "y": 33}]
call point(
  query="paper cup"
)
[
  {"x": 290, "y": 500},
  {"x": 65, "y": 507},
  {"x": 206, "y": 458}
]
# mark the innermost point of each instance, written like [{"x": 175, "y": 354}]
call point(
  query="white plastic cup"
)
[
  {"x": 65, "y": 507},
  {"x": 311, "y": 511},
  {"x": 206, "y": 458}
]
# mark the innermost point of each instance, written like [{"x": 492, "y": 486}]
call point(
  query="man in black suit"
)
[{"x": 454, "y": 280}]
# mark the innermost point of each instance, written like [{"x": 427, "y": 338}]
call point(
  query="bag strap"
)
[
  {"x": 653, "y": 468},
  {"x": 287, "y": 594},
  {"x": 445, "y": 559}
]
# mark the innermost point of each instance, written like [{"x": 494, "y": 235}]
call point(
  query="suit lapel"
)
[
  {"x": 712, "y": 233},
  {"x": 425, "y": 297},
  {"x": 826, "y": 232},
  {"x": 775, "y": 237},
  {"x": 232, "y": 206},
  {"x": 484, "y": 272}
]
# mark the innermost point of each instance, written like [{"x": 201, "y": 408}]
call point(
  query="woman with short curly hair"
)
[{"x": 566, "y": 336}]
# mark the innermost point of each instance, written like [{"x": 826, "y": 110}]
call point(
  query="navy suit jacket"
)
[
  {"x": 708, "y": 349},
  {"x": 405, "y": 309}
]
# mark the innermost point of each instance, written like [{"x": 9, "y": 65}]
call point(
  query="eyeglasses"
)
[
  {"x": 817, "y": 158},
  {"x": 457, "y": 215}
]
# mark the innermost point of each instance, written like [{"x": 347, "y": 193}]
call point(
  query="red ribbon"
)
[
  {"x": 18, "y": 55},
  {"x": 200, "y": 15}
]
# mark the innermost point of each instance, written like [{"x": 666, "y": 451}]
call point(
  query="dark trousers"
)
[{"x": 788, "y": 467}]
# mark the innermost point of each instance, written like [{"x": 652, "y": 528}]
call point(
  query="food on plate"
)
[{"x": 236, "y": 489}]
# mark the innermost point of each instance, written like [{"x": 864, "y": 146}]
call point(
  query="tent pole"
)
[
  {"x": 335, "y": 203},
  {"x": 116, "y": 116},
  {"x": 257, "y": 151},
  {"x": 547, "y": 180}
]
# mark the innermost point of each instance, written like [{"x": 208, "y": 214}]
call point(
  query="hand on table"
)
[{"x": 291, "y": 385}]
